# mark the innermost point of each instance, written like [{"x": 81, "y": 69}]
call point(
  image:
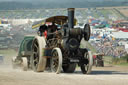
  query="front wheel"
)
[
  {"x": 14, "y": 66},
  {"x": 86, "y": 68},
  {"x": 56, "y": 60},
  {"x": 24, "y": 64}
]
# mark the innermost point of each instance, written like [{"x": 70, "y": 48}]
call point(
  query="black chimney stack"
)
[{"x": 71, "y": 17}]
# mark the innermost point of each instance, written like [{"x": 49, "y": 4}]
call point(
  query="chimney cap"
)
[{"x": 71, "y": 9}]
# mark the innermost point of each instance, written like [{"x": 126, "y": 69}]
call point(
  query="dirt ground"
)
[
  {"x": 108, "y": 75},
  {"x": 124, "y": 11},
  {"x": 100, "y": 76}
]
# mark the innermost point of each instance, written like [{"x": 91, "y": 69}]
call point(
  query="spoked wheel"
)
[
  {"x": 86, "y": 68},
  {"x": 24, "y": 64},
  {"x": 14, "y": 66},
  {"x": 56, "y": 60},
  {"x": 38, "y": 62},
  {"x": 69, "y": 68}
]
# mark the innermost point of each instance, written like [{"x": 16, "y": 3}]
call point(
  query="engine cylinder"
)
[{"x": 75, "y": 32}]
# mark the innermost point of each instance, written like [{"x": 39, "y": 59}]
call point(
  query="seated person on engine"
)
[
  {"x": 52, "y": 28},
  {"x": 42, "y": 29}
]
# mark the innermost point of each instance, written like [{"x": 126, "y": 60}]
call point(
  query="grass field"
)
[
  {"x": 7, "y": 51},
  {"x": 8, "y": 54},
  {"x": 123, "y": 64},
  {"x": 115, "y": 61}
]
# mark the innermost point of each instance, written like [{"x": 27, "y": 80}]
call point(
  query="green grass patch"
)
[
  {"x": 116, "y": 61},
  {"x": 8, "y": 52},
  {"x": 107, "y": 59},
  {"x": 88, "y": 45},
  {"x": 121, "y": 61},
  {"x": 91, "y": 47},
  {"x": 123, "y": 64}
]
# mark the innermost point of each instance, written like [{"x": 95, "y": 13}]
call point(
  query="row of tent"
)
[
  {"x": 3, "y": 22},
  {"x": 98, "y": 23}
]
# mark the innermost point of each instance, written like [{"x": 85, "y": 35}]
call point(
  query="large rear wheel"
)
[
  {"x": 86, "y": 68},
  {"x": 56, "y": 60},
  {"x": 38, "y": 62}
]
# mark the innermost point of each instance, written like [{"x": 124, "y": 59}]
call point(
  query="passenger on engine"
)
[
  {"x": 53, "y": 27},
  {"x": 42, "y": 29}
]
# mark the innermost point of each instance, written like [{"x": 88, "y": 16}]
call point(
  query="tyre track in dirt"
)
[{"x": 100, "y": 76}]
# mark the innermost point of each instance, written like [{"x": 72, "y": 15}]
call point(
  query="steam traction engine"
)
[{"x": 61, "y": 49}]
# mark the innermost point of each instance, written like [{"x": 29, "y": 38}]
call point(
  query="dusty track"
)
[
  {"x": 115, "y": 75},
  {"x": 100, "y": 76}
]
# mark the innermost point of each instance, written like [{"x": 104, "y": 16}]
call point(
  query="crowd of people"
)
[{"x": 109, "y": 47}]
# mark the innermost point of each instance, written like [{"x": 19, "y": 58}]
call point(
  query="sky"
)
[
  {"x": 61, "y": 0},
  {"x": 63, "y": 3}
]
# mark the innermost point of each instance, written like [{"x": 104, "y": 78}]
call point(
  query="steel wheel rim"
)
[
  {"x": 86, "y": 68},
  {"x": 55, "y": 61},
  {"x": 87, "y": 65},
  {"x": 35, "y": 54}
]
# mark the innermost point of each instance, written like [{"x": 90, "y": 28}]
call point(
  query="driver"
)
[{"x": 53, "y": 28}]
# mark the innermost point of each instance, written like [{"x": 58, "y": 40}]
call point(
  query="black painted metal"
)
[{"x": 71, "y": 17}]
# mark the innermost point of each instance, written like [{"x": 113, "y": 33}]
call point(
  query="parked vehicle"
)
[{"x": 98, "y": 60}]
